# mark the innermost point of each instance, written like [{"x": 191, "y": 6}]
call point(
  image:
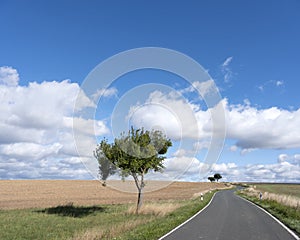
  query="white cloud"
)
[
  {"x": 105, "y": 92},
  {"x": 233, "y": 148},
  {"x": 226, "y": 169},
  {"x": 201, "y": 145},
  {"x": 36, "y": 137},
  {"x": 294, "y": 159},
  {"x": 9, "y": 76},
  {"x": 261, "y": 88},
  {"x": 180, "y": 153},
  {"x": 205, "y": 88},
  {"x": 249, "y": 127},
  {"x": 270, "y": 83},
  {"x": 184, "y": 168},
  {"x": 226, "y": 70},
  {"x": 279, "y": 83},
  {"x": 279, "y": 172},
  {"x": 30, "y": 151},
  {"x": 227, "y": 61},
  {"x": 86, "y": 126},
  {"x": 270, "y": 128},
  {"x": 36, "y": 121},
  {"x": 192, "y": 169},
  {"x": 170, "y": 113},
  {"x": 283, "y": 158}
]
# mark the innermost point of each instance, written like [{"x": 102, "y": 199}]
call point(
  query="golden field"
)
[{"x": 19, "y": 194}]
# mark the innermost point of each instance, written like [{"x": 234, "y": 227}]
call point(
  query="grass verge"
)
[
  {"x": 288, "y": 215},
  {"x": 280, "y": 188},
  {"x": 160, "y": 226},
  {"x": 97, "y": 222}
]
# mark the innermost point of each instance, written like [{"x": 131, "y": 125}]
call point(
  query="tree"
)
[
  {"x": 211, "y": 179},
  {"x": 136, "y": 153},
  {"x": 106, "y": 168},
  {"x": 217, "y": 176}
]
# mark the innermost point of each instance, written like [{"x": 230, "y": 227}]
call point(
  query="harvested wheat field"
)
[{"x": 18, "y": 194}]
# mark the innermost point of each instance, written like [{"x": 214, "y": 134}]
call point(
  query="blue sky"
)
[{"x": 249, "y": 48}]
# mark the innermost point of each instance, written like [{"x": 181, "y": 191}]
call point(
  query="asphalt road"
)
[{"x": 229, "y": 217}]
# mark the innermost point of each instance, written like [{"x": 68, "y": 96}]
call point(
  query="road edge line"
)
[
  {"x": 276, "y": 219},
  {"x": 192, "y": 217}
]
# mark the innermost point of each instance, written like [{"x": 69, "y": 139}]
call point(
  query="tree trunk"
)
[
  {"x": 140, "y": 185},
  {"x": 140, "y": 200}
]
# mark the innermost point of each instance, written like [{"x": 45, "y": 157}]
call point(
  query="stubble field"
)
[{"x": 20, "y": 194}]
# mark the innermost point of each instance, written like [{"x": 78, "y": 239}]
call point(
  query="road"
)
[{"x": 229, "y": 217}]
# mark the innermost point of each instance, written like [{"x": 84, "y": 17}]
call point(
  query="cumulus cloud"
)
[
  {"x": 294, "y": 159},
  {"x": 184, "y": 168},
  {"x": 105, "y": 92},
  {"x": 270, "y": 128},
  {"x": 170, "y": 113},
  {"x": 9, "y": 76},
  {"x": 192, "y": 169},
  {"x": 38, "y": 105},
  {"x": 251, "y": 128},
  {"x": 30, "y": 151},
  {"x": 36, "y": 121}
]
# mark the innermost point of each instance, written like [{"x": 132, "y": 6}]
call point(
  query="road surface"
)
[{"x": 229, "y": 217}]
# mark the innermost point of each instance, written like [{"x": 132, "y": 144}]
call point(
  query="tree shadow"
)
[{"x": 69, "y": 210}]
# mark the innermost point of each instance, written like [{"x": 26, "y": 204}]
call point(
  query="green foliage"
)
[
  {"x": 136, "y": 153},
  {"x": 217, "y": 176},
  {"x": 106, "y": 168},
  {"x": 211, "y": 179}
]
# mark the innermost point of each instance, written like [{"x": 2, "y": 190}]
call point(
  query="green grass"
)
[
  {"x": 96, "y": 222},
  {"x": 290, "y": 216},
  {"x": 287, "y": 189},
  {"x": 45, "y": 224},
  {"x": 161, "y": 226}
]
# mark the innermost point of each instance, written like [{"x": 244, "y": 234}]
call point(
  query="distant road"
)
[{"x": 229, "y": 217}]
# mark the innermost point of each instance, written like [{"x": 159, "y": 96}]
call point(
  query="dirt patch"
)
[{"x": 17, "y": 194}]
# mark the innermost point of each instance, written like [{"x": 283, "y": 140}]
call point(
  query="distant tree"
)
[
  {"x": 106, "y": 167},
  {"x": 217, "y": 176},
  {"x": 136, "y": 153},
  {"x": 211, "y": 179}
]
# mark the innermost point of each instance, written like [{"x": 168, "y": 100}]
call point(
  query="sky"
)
[{"x": 51, "y": 121}]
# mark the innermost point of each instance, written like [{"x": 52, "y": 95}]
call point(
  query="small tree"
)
[
  {"x": 136, "y": 154},
  {"x": 211, "y": 179},
  {"x": 217, "y": 176},
  {"x": 106, "y": 168}
]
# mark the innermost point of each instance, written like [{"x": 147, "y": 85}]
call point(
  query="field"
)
[
  {"x": 20, "y": 194},
  {"x": 78, "y": 210},
  {"x": 280, "y": 188}
]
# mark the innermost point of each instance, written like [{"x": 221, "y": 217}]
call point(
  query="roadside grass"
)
[
  {"x": 289, "y": 215},
  {"x": 160, "y": 226},
  {"x": 280, "y": 188},
  {"x": 98, "y": 222},
  {"x": 288, "y": 199}
]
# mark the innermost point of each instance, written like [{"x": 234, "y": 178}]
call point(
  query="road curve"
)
[{"x": 229, "y": 217}]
